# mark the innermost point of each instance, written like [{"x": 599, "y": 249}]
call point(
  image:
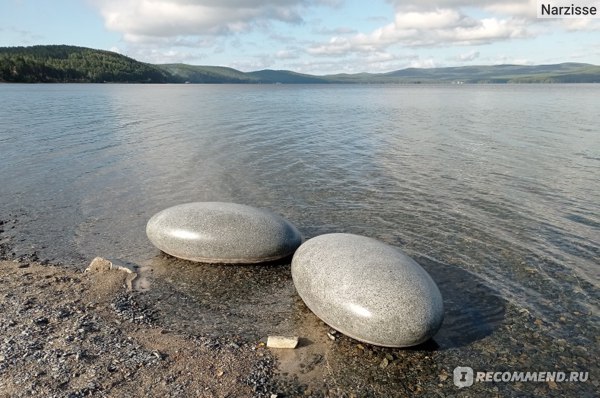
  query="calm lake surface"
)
[{"x": 502, "y": 182}]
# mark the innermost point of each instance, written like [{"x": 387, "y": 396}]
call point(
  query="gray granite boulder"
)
[
  {"x": 216, "y": 232},
  {"x": 367, "y": 290}
]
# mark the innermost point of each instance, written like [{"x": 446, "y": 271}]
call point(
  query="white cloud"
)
[
  {"x": 423, "y": 63},
  {"x": 160, "y": 55},
  {"x": 580, "y": 24},
  {"x": 379, "y": 62},
  {"x": 522, "y": 8},
  {"x": 509, "y": 7},
  {"x": 342, "y": 30},
  {"x": 468, "y": 56},
  {"x": 287, "y": 54},
  {"x": 137, "y": 19},
  {"x": 438, "y": 19},
  {"x": 258, "y": 62},
  {"x": 509, "y": 60},
  {"x": 450, "y": 30},
  {"x": 440, "y": 27}
]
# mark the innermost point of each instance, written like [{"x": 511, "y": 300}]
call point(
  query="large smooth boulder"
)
[
  {"x": 367, "y": 290},
  {"x": 217, "y": 232}
]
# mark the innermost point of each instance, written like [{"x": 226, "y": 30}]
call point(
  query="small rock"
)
[
  {"x": 384, "y": 364},
  {"x": 41, "y": 321},
  {"x": 99, "y": 264},
  {"x": 282, "y": 342},
  {"x": 331, "y": 336}
]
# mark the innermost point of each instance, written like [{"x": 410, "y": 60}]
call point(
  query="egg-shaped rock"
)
[
  {"x": 367, "y": 290},
  {"x": 217, "y": 232}
]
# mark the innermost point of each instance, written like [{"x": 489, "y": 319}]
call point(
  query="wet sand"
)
[
  {"x": 199, "y": 330},
  {"x": 481, "y": 330}
]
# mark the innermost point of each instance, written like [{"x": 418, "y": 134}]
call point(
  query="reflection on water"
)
[{"x": 499, "y": 181}]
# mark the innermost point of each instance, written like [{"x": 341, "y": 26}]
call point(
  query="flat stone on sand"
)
[
  {"x": 282, "y": 342},
  {"x": 367, "y": 290},
  {"x": 218, "y": 232}
]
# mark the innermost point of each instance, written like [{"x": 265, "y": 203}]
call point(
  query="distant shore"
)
[{"x": 72, "y": 64}]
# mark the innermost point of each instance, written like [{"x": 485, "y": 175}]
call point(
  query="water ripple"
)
[{"x": 500, "y": 181}]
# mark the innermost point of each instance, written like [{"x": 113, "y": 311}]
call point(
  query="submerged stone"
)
[
  {"x": 217, "y": 232},
  {"x": 367, "y": 290}
]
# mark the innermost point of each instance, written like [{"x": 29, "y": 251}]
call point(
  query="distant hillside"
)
[
  {"x": 182, "y": 73},
  {"x": 559, "y": 73},
  {"x": 73, "y": 64},
  {"x": 287, "y": 77},
  {"x": 60, "y": 63}
]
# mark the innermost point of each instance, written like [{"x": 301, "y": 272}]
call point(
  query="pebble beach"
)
[{"x": 70, "y": 333}]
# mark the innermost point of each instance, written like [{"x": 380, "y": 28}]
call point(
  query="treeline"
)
[{"x": 69, "y": 64}]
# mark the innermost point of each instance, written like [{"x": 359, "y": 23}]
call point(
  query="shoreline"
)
[
  {"x": 177, "y": 328},
  {"x": 75, "y": 333}
]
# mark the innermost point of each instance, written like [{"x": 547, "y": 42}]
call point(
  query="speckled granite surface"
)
[
  {"x": 218, "y": 232},
  {"x": 367, "y": 290}
]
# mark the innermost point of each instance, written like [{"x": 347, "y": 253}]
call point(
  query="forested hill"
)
[
  {"x": 74, "y": 64},
  {"x": 70, "y": 64}
]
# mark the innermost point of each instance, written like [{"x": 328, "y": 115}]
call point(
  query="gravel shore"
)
[
  {"x": 179, "y": 329},
  {"x": 65, "y": 333},
  {"x": 68, "y": 333}
]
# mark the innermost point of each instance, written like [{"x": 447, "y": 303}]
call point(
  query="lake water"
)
[{"x": 499, "y": 181}]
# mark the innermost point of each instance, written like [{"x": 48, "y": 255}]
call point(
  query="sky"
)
[{"x": 307, "y": 36}]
